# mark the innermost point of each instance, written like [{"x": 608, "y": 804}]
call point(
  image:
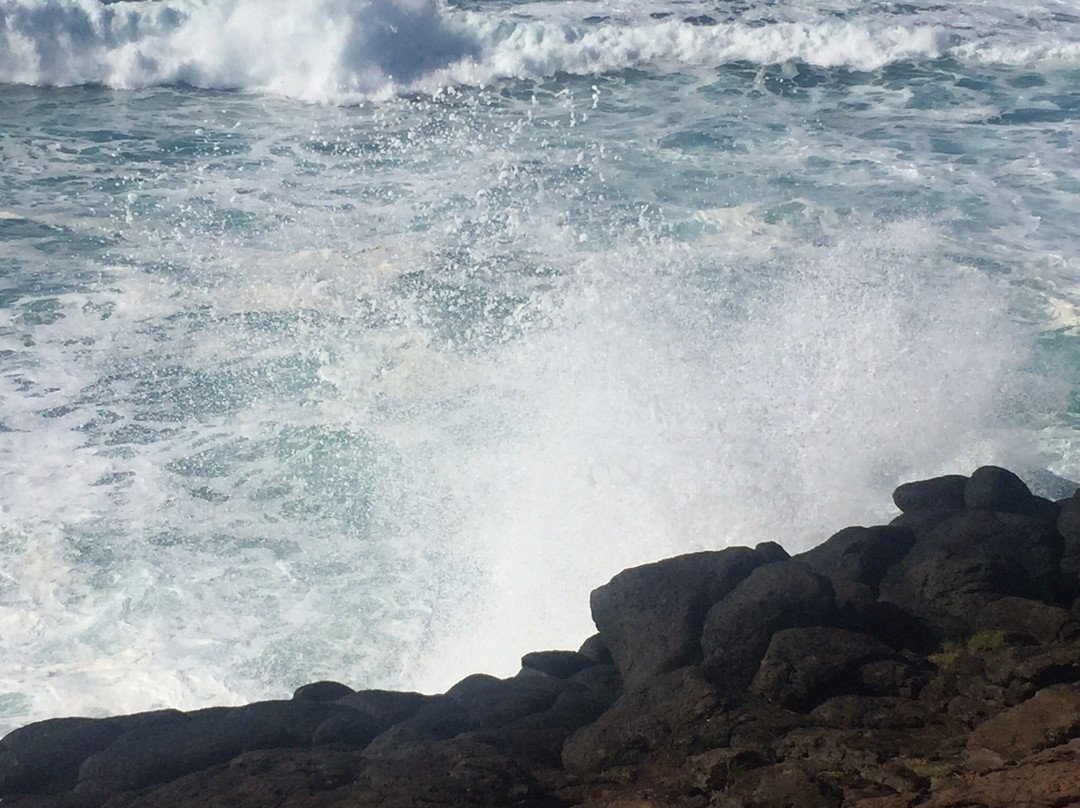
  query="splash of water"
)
[{"x": 338, "y": 51}]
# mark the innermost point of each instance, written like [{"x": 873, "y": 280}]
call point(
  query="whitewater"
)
[{"x": 361, "y": 340}]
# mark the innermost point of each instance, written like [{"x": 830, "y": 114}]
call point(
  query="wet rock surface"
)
[{"x": 931, "y": 662}]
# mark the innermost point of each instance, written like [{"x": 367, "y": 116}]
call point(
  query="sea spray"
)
[
  {"x": 295, "y": 391},
  {"x": 680, "y": 405},
  {"x": 437, "y": 506}
]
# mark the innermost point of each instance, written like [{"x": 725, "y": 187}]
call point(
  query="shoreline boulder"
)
[{"x": 651, "y": 617}]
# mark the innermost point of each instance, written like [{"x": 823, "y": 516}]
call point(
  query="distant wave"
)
[
  {"x": 340, "y": 50},
  {"x": 324, "y": 50}
]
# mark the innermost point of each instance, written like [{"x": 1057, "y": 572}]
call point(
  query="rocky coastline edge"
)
[{"x": 933, "y": 662}]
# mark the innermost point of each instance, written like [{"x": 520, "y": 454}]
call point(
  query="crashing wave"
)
[{"x": 340, "y": 50}]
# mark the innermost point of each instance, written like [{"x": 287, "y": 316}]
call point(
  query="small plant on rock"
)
[{"x": 951, "y": 650}]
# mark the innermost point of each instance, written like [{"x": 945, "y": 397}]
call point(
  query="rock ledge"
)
[{"x": 933, "y": 662}]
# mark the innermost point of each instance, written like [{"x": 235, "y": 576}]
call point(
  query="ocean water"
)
[{"x": 360, "y": 339}]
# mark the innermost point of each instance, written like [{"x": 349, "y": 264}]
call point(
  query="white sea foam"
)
[
  {"x": 338, "y": 50},
  {"x": 648, "y": 428},
  {"x": 635, "y": 423},
  {"x": 254, "y": 440},
  {"x": 1046, "y": 54}
]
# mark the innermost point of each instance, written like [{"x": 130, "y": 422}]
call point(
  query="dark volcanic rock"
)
[
  {"x": 770, "y": 551},
  {"x": 322, "y": 691},
  {"x": 384, "y": 707},
  {"x": 476, "y": 703},
  {"x": 1068, "y": 524},
  {"x": 871, "y": 712},
  {"x": 921, "y": 523},
  {"x": 973, "y": 558},
  {"x": 271, "y": 778},
  {"x": 348, "y": 727},
  {"x": 465, "y": 772},
  {"x": 575, "y": 707},
  {"x": 602, "y": 682},
  {"x": 596, "y": 649},
  {"x": 560, "y": 664},
  {"x": 1040, "y": 622},
  {"x": 651, "y": 617},
  {"x": 491, "y": 702},
  {"x": 997, "y": 489},
  {"x": 860, "y": 554},
  {"x": 163, "y": 751},
  {"x": 804, "y": 666},
  {"x": 737, "y": 630},
  {"x": 602, "y": 678},
  {"x": 782, "y": 784},
  {"x": 1049, "y": 718},
  {"x": 1050, "y": 778},
  {"x": 539, "y": 737},
  {"x": 642, "y": 720},
  {"x": 437, "y": 719},
  {"x": 44, "y": 758},
  {"x": 1046, "y": 510},
  {"x": 862, "y": 612},
  {"x": 939, "y": 494},
  {"x": 1041, "y": 667}
]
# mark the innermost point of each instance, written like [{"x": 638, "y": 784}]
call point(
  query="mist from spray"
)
[
  {"x": 405, "y": 503},
  {"x": 675, "y": 403}
]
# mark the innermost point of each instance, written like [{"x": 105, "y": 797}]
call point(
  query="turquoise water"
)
[{"x": 327, "y": 356}]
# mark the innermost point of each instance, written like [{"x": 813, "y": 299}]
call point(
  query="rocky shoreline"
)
[{"x": 934, "y": 661}]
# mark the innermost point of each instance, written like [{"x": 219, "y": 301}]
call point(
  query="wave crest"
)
[{"x": 340, "y": 50}]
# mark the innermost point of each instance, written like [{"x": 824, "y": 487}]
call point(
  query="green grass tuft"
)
[{"x": 951, "y": 650}]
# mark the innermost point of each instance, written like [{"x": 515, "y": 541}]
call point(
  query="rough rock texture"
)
[
  {"x": 650, "y": 617},
  {"x": 804, "y": 666},
  {"x": 560, "y": 664},
  {"x": 1047, "y": 780},
  {"x": 738, "y": 629},
  {"x": 939, "y": 494},
  {"x": 1068, "y": 524},
  {"x": 860, "y": 554},
  {"x": 1047, "y": 719},
  {"x": 997, "y": 489},
  {"x": 931, "y": 663},
  {"x": 959, "y": 567}
]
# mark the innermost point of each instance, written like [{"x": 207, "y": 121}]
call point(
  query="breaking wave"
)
[{"x": 340, "y": 51}]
